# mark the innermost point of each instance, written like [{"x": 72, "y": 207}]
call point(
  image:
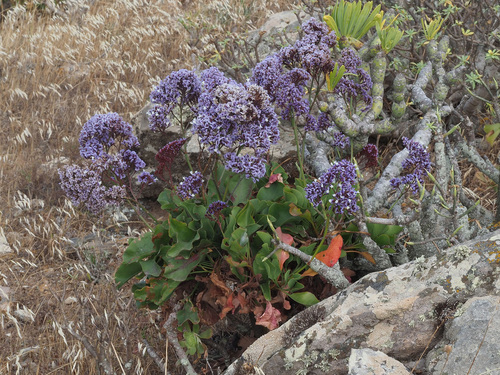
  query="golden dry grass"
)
[{"x": 55, "y": 73}]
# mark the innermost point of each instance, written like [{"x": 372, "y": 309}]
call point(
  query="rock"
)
[
  {"x": 471, "y": 340},
  {"x": 4, "y": 245},
  {"x": 24, "y": 314},
  {"x": 371, "y": 362},
  {"x": 400, "y": 311},
  {"x": 70, "y": 300},
  {"x": 4, "y": 299}
]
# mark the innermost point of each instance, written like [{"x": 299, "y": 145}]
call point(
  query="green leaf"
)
[
  {"x": 206, "y": 334},
  {"x": 167, "y": 289},
  {"x": 125, "y": 272},
  {"x": 304, "y": 298},
  {"x": 383, "y": 234},
  {"x": 183, "y": 236},
  {"x": 272, "y": 193},
  {"x": 139, "y": 249},
  {"x": 241, "y": 189},
  {"x": 244, "y": 217},
  {"x": 150, "y": 267},
  {"x": 191, "y": 342},
  {"x": 266, "y": 290},
  {"x": 188, "y": 312},
  {"x": 168, "y": 200},
  {"x": 179, "y": 269}
]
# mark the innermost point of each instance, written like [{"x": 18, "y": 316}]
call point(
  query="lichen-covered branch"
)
[
  {"x": 172, "y": 338},
  {"x": 418, "y": 95},
  {"x": 333, "y": 275}
]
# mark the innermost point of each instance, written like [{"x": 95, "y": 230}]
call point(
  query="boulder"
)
[
  {"x": 4, "y": 245},
  {"x": 471, "y": 340},
  {"x": 404, "y": 312},
  {"x": 370, "y": 362}
]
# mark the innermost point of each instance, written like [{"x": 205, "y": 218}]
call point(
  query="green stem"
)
[{"x": 137, "y": 211}]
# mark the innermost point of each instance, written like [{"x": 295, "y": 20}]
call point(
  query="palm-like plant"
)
[{"x": 351, "y": 21}]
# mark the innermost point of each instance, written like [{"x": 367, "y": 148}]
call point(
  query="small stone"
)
[
  {"x": 4, "y": 245},
  {"x": 4, "y": 298},
  {"x": 70, "y": 300},
  {"x": 25, "y": 315}
]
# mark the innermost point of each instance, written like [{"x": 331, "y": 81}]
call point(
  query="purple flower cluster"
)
[
  {"x": 313, "y": 49},
  {"x": 356, "y": 82},
  {"x": 370, "y": 152},
  {"x": 84, "y": 186},
  {"x": 190, "y": 185},
  {"x": 286, "y": 74},
  {"x": 107, "y": 141},
  {"x": 320, "y": 124},
  {"x": 146, "y": 178},
  {"x": 232, "y": 117},
  {"x": 339, "y": 179},
  {"x": 416, "y": 166},
  {"x": 180, "y": 88},
  {"x": 252, "y": 166},
  {"x": 340, "y": 140},
  {"x": 214, "y": 209},
  {"x": 102, "y": 132},
  {"x": 285, "y": 88},
  {"x": 165, "y": 157}
]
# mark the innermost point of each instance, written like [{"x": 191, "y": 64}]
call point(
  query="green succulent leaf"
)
[{"x": 304, "y": 298}]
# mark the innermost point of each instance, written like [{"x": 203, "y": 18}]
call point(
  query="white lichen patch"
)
[
  {"x": 458, "y": 271},
  {"x": 344, "y": 322},
  {"x": 296, "y": 352},
  {"x": 462, "y": 252},
  {"x": 495, "y": 238}
]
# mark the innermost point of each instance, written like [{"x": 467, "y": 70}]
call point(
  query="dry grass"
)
[{"x": 55, "y": 73}]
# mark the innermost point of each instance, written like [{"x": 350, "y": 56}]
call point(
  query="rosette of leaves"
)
[{"x": 351, "y": 21}]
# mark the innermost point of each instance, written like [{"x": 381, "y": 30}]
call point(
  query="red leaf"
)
[
  {"x": 282, "y": 257},
  {"x": 273, "y": 178},
  {"x": 229, "y": 306},
  {"x": 270, "y": 318},
  {"x": 330, "y": 256},
  {"x": 284, "y": 237}
]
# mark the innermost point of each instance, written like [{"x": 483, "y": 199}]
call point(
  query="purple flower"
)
[
  {"x": 214, "y": 209},
  {"x": 146, "y": 178},
  {"x": 180, "y": 88},
  {"x": 356, "y": 82},
  {"x": 320, "y": 124},
  {"x": 370, "y": 152},
  {"x": 340, "y": 140},
  {"x": 253, "y": 167},
  {"x": 158, "y": 118},
  {"x": 285, "y": 88},
  {"x": 232, "y": 117},
  {"x": 312, "y": 52},
  {"x": 339, "y": 180},
  {"x": 416, "y": 166},
  {"x": 102, "y": 132},
  {"x": 84, "y": 186},
  {"x": 190, "y": 185}
]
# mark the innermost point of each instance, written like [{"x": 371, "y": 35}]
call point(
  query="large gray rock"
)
[
  {"x": 371, "y": 362},
  {"x": 471, "y": 340},
  {"x": 399, "y": 311}
]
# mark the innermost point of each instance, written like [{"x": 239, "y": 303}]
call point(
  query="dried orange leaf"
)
[{"x": 332, "y": 254}]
